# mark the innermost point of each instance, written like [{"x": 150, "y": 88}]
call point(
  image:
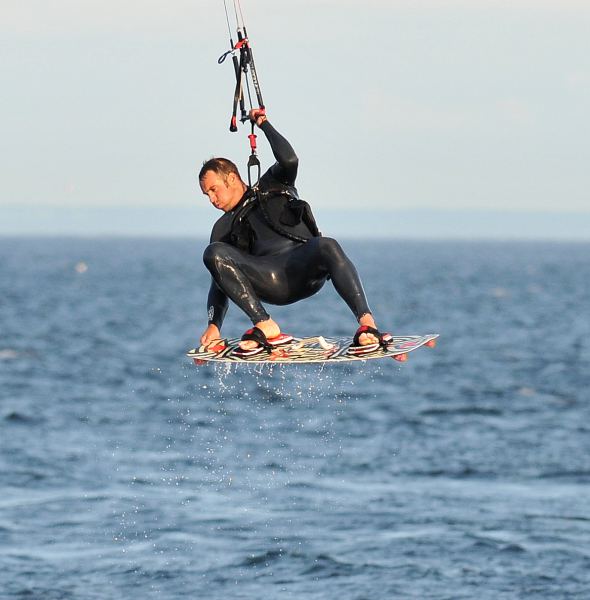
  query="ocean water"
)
[{"x": 127, "y": 472}]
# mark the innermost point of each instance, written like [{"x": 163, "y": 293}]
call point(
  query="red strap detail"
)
[
  {"x": 241, "y": 43},
  {"x": 252, "y": 138}
]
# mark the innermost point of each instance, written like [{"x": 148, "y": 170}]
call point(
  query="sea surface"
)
[{"x": 126, "y": 472}]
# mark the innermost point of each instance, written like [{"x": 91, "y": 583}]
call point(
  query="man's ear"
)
[{"x": 231, "y": 179}]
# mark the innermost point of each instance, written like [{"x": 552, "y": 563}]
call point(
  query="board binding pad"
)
[{"x": 311, "y": 350}]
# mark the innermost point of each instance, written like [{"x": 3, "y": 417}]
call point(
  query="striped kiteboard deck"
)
[{"x": 311, "y": 350}]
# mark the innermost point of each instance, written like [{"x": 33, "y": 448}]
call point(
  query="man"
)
[{"x": 267, "y": 248}]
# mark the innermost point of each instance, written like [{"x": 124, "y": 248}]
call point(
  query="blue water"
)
[{"x": 127, "y": 472}]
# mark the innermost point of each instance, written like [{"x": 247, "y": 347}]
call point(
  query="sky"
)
[{"x": 463, "y": 117}]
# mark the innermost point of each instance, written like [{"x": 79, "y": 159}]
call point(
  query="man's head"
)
[{"x": 220, "y": 180}]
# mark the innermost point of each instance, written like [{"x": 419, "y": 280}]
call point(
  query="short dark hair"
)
[{"x": 220, "y": 166}]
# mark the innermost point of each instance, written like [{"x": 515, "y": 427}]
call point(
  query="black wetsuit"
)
[{"x": 268, "y": 248}]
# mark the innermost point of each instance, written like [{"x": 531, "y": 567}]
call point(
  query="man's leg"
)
[
  {"x": 325, "y": 257},
  {"x": 236, "y": 273},
  {"x": 286, "y": 278},
  {"x": 225, "y": 263}
]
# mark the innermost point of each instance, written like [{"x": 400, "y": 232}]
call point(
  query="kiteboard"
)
[{"x": 313, "y": 350}]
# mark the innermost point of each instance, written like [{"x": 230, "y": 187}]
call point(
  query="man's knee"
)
[
  {"x": 214, "y": 253},
  {"x": 330, "y": 249}
]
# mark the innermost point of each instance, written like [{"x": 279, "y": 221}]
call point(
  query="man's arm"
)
[
  {"x": 217, "y": 304},
  {"x": 217, "y": 301},
  {"x": 285, "y": 169}
]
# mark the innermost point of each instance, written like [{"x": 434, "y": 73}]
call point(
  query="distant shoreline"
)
[{"x": 419, "y": 224}]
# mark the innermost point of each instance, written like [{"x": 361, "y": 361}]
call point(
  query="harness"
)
[{"x": 282, "y": 210}]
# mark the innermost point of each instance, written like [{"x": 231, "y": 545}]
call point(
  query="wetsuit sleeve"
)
[
  {"x": 285, "y": 169},
  {"x": 217, "y": 303}
]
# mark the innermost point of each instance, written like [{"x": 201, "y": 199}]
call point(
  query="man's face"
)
[{"x": 223, "y": 194}]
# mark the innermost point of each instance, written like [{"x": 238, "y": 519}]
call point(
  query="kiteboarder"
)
[{"x": 266, "y": 247}]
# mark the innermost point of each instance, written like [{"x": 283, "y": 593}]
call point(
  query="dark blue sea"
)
[{"x": 126, "y": 472}]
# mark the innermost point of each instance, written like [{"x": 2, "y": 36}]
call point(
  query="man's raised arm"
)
[{"x": 285, "y": 169}]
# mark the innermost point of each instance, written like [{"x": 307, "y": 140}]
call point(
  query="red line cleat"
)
[
  {"x": 400, "y": 357},
  {"x": 430, "y": 344}
]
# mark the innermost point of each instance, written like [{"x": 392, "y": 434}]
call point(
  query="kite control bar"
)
[{"x": 245, "y": 71}]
